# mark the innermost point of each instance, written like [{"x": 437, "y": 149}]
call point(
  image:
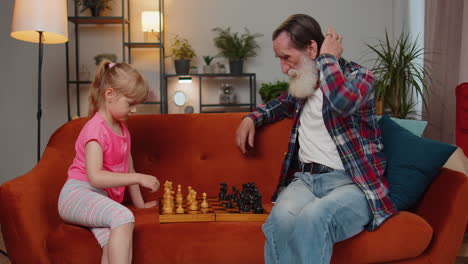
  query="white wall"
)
[
  {"x": 18, "y": 97},
  {"x": 358, "y": 21}
]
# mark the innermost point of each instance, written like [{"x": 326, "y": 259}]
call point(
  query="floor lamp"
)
[{"x": 43, "y": 22}]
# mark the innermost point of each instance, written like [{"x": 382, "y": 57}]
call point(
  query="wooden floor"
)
[{"x": 461, "y": 259}]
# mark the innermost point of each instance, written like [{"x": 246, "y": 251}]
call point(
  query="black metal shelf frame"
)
[
  {"x": 124, "y": 22},
  {"x": 252, "y": 88}
]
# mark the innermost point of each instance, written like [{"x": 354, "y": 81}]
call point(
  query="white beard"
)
[{"x": 303, "y": 80}]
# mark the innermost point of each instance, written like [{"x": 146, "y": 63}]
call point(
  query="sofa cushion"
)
[
  {"x": 412, "y": 162},
  {"x": 205, "y": 242},
  {"x": 414, "y": 126},
  {"x": 405, "y": 235}
]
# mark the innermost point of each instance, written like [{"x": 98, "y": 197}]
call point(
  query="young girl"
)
[{"x": 103, "y": 165}]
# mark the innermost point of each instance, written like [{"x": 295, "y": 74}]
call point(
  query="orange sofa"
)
[{"x": 199, "y": 150}]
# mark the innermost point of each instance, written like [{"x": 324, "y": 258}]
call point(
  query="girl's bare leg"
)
[{"x": 120, "y": 244}]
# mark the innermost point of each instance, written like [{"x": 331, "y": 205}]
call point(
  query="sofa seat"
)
[
  {"x": 404, "y": 236},
  {"x": 202, "y": 242}
]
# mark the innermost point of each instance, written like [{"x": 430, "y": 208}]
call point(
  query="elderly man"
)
[{"x": 331, "y": 186}]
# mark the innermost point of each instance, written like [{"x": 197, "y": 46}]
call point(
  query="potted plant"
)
[
  {"x": 96, "y": 6},
  {"x": 400, "y": 75},
  {"x": 270, "y": 90},
  {"x": 208, "y": 67},
  {"x": 109, "y": 56},
  {"x": 182, "y": 52},
  {"x": 236, "y": 47}
]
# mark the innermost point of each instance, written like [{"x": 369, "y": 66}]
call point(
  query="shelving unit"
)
[
  {"x": 252, "y": 91},
  {"x": 127, "y": 46}
]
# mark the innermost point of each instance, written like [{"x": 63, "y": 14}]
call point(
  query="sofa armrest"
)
[
  {"x": 28, "y": 206},
  {"x": 445, "y": 207}
]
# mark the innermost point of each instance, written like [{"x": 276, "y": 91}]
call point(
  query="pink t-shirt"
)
[{"x": 116, "y": 152}]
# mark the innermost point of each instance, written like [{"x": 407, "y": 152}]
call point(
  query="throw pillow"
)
[
  {"x": 412, "y": 162},
  {"x": 415, "y": 126}
]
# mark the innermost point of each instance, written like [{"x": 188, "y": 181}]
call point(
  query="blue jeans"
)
[{"x": 311, "y": 214}]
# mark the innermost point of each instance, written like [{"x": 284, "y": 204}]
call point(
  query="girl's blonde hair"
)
[{"x": 122, "y": 77}]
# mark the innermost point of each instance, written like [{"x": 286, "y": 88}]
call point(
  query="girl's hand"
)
[
  {"x": 332, "y": 44},
  {"x": 151, "y": 204},
  {"x": 149, "y": 182}
]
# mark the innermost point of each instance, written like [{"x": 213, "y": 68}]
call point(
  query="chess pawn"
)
[
  {"x": 179, "y": 197},
  {"x": 179, "y": 209},
  {"x": 204, "y": 204}
]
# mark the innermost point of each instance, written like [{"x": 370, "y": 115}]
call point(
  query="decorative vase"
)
[
  {"x": 235, "y": 66},
  {"x": 227, "y": 95},
  {"x": 208, "y": 69},
  {"x": 95, "y": 11},
  {"x": 220, "y": 68},
  {"x": 379, "y": 107},
  {"x": 182, "y": 67}
]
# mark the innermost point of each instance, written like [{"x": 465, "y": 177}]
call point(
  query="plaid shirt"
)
[{"x": 349, "y": 116}]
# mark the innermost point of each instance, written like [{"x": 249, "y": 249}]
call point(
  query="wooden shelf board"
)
[{"x": 97, "y": 20}]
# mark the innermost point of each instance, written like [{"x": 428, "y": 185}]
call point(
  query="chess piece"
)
[
  {"x": 179, "y": 197},
  {"x": 194, "y": 204},
  {"x": 189, "y": 189},
  {"x": 223, "y": 191},
  {"x": 179, "y": 209},
  {"x": 168, "y": 209},
  {"x": 204, "y": 204}
]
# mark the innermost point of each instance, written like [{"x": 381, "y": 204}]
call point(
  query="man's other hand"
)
[
  {"x": 245, "y": 131},
  {"x": 332, "y": 44}
]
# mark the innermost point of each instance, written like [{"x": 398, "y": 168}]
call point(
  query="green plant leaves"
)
[
  {"x": 181, "y": 49},
  {"x": 271, "y": 90},
  {"x": 400, "y": 74},
  {"x": 235, "y": 46}
]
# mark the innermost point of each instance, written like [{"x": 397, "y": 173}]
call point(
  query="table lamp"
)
[
  {"x": 150, "y": 25},
  {"x": 40, "y": 21}
]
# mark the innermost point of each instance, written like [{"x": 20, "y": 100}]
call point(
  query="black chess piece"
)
[
  {"x": 259, "y": 206},
  {"x": 223, "y": 191}
]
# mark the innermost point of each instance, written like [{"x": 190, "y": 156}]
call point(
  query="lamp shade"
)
[
  {"x": 48, "y": 16},
  {"x": 150, "y": 21}
]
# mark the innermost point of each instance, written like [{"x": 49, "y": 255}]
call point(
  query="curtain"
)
[{"x": 442, "y": 42}]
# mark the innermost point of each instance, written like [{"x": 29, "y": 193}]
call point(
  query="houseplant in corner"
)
[
  {"x": 270, "y": 90},
  {"x": 96, "y": 6},
  {"x": 236, "y": 47},
  {"x": 182, "y": 52},
  {"x": 401, "y": 75}
]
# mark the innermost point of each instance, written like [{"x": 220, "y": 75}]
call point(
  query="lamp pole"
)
[{"x": 39, "y": 91}]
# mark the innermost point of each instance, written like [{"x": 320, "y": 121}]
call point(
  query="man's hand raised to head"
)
[
  {"x": 245, "y": 131},
  {"x": 332, "y": 43}
]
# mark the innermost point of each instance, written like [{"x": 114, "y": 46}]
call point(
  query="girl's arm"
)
[
  {"x": 135, "y": 192},
  {"x": 100, "y": 178}
]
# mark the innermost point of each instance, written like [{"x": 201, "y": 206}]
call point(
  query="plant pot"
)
[
  {"x": 95, "y": 11},
  {"x": 235, "y": 66},
  {"x": 379, "y": 107},
  {"x": 208, "y": 69},
  {"x": 182, "y": 66}
]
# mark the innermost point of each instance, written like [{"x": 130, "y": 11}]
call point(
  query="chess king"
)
[{"x": 331, "y": 185}]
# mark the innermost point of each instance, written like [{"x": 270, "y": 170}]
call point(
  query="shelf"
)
[
  {"x": 210, "y": 75},
  {"x": 223, "y": 105},
  {"x": 142, "y": 44},
  {"x": 79, "y": 82},
  {"x": 97, "y": 20},
  {"x": 151, "y": 103}
]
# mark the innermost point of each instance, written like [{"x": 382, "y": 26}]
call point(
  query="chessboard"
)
[
  {"x": 237, "y": 206},
  {"x": 216, "y": 212}
]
